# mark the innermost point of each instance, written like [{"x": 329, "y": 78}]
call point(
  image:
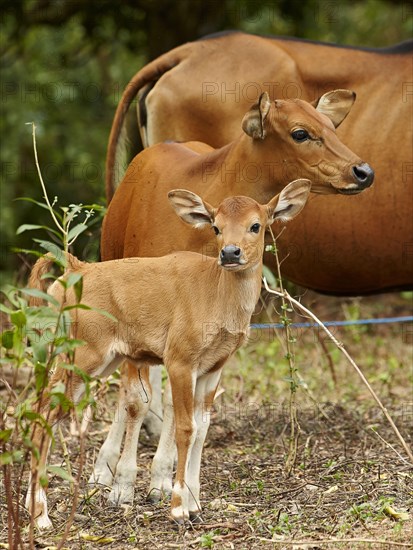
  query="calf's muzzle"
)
[{"x": 230, "y": 254}]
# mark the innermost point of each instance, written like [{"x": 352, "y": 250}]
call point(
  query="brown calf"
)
[{"x": 189, "y": 311}]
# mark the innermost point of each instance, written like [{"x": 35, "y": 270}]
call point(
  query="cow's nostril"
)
[
  {"x": 237, "y": 252},
  {"x": 363, "y": 174}
]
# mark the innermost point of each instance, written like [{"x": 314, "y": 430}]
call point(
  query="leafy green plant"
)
[{"x": 37, "y": 339}]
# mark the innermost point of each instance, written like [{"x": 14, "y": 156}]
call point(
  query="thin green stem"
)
[
  {"x": 42, "y": 182},
  {"x": 294, "y": 381}
]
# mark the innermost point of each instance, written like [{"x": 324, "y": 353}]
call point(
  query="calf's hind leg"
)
[
  {"x": 110, "y": 452},
  {"x": 91, "y": 362},
  {"x": 137, "y": 400}
]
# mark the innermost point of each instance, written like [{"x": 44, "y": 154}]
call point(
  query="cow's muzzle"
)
[
  {"x": 363, "y": 177},
  {"x": 363, "y": 174}
]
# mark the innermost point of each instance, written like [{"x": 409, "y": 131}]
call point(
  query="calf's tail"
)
[{"x": 44, "y": 265}]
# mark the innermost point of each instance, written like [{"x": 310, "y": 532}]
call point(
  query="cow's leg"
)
[
  {"x": 138, "y": 396},
  {"x": 163, "y": 461},
  {"x": 206, "y": 387},
  {"x": 109, "y": 453}
]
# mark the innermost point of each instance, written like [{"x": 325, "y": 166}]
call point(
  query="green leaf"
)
[
  {"x": 27, "y": 251},
  {"x": 40, "y": 294},
  {"x": 5, "y": 435},
  {"x": 75, "y": 280},
  {"x": 7, "y": 339},
  {"x": 53, "y": 248},
  {"x": 61, "y": 472},
  {"x": 269, "y": 275},
  {"x": 77, "y": 306},
  {"x": 78, "y": 286},
  {"x": 76, "y": 231},
  {"x": 5, "y": 309},
  {"x": 31, "y": 227},
  {"x": 72, "y": 279},
  {"x": 18, "y": 318},
  {"x": 6, "y": 458},
  {"x": 41, "y": 378},
  {"x": 106, "y": 314},
  {"x": 41, "y": 204},
  {"x": 40, "y": 352}
]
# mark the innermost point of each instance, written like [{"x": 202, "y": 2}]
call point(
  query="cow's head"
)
[{"x": 302, "y": 137}]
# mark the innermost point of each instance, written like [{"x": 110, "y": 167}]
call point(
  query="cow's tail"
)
[
  {"x": 146, "y": 77},
  {"x": 44, "y": 265}
]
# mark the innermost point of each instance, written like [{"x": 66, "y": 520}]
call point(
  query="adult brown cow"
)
[{"x": 200, "y": 91}]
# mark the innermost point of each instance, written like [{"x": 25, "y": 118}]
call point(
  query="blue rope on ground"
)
[{"x": 382, "y": 321}]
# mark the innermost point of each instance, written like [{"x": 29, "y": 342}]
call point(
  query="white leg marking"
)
[
  {"x": 138, "y": 401},
  {"x": 163, "y": 461},
  {"x": 204, "y": 386},
  {"x": 109, "y": 453}
]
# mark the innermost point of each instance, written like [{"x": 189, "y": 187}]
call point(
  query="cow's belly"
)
[{"x": 352, "y": 245}]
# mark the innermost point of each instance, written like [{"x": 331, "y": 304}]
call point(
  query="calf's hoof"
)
[
  {"x": 121, "y": 494},
  {"x": 101, "y": 476},
  {"x": 195, "y": 517},
  {"x": 157, "y": 495}
]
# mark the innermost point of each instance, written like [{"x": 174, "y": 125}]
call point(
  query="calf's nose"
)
[
  {"x": 363, "y": 175},
  {"x": 230, "y": 254}
]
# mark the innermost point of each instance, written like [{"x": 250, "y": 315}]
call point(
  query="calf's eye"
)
[
  {"x": 216, "y": 230},
  {"x": 255, "y": 228}
]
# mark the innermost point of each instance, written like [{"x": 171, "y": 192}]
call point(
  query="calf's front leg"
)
[
  {"x": 183, "y": 380},
  {"x": 206, "y": 387},
  {"x": 163, "y": 461}
]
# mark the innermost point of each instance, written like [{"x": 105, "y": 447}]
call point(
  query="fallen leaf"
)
[
  {"x": 403, "y": 516},
  {"x": 98, "y": 539}
]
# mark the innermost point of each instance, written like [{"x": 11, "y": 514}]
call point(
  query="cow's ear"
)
[
  {"x": 191, "y": 208},
  {"x": 336, "y": 105},
  {"x": 253, "y": 122}
]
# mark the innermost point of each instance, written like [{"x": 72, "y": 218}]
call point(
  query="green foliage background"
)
[{"x": 65, "y": 63}]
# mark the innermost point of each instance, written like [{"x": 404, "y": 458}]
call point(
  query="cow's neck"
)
[
  {"x": 337, "y": 67},
  {"x": 250, "y": 167}
]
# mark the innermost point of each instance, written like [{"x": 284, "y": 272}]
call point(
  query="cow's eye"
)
[
  {"x": 216, "y": 230},
  {"x": 255, "y": 228},
  {"x": 300, "y": 135}
]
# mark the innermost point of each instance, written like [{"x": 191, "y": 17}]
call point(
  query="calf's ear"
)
[
  {"x": 336, "y": 105},
  {"x": 191, "y": 208},
  {"x": 289, "y": 202},
  {"x": 253, "y": 122}
]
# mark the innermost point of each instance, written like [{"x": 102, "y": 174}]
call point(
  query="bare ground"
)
[{"x": 347, "y": 484}]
